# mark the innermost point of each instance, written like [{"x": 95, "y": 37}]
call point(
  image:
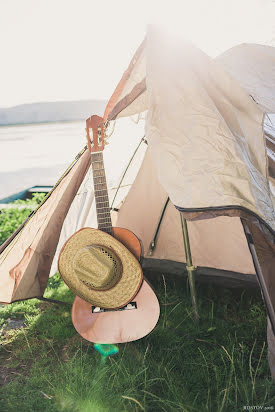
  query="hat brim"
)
[{"x": 122, "y": 292}]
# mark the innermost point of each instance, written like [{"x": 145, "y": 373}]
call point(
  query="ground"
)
[{"x": 217, "y": 364}]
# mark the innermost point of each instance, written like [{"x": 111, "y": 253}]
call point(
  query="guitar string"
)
[{"x": 101, "y": 191}]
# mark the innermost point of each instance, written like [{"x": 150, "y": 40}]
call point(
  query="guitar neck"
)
[{"x": 101, "y": 193}]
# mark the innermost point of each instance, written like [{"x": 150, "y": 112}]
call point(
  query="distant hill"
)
[{"x": 51, "y": 111}]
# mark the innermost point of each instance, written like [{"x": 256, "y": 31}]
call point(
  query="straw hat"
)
[{"x": 99, "y": 269}]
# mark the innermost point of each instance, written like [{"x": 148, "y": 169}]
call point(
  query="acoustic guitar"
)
[{"x": 137, "y": 318}]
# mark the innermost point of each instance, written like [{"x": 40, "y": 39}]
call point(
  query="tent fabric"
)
[
  {"x": 132, "y": 103},
  {"x": 269, "y": 129},
  {"x": 25, "y": 263},
  {"x": 252, "y": 66},
  {"x": 206, "y": 248},
  {"x": 129, "y": 96},
  {"x": 131, "y": 84},
  {"x": 237, "y": 129},
  {"x": 205, "y": 134},
  {"x": 209, "y": 147}
]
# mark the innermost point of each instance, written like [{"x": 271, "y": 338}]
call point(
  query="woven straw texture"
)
[
  {"x": 70, "y": 267},
  {"x": 98, "y": 267}
]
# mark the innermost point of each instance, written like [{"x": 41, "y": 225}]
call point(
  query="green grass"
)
[
  {"x": 219, "y": 364},
  {"x": 11, "y": 218}
]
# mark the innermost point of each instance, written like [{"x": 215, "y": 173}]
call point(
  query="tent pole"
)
[{"x": 189, "y": 266}]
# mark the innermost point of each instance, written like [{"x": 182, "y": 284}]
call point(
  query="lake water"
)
[{"x": 38, "y": 154}]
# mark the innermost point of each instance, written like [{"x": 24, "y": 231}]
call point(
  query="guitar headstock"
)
[{"x": 95, "y": 127}]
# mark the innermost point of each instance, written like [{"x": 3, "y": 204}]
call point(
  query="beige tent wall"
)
[
  {"x": 205, "y": 133},
  {"x": 25, "y": 263},
  {"x": 216, "y": 243},
  {"x": 252, "y": 66}
]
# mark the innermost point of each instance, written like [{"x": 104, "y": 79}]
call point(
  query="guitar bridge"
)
[{"x": 129, "y": 306}]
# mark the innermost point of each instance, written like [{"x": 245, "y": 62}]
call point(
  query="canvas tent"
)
[{"x": 205, "y": 154}]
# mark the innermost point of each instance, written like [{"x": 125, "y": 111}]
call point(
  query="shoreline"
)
[{"x": 40, "y": 123}]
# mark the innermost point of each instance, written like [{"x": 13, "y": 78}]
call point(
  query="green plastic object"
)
[{"x": 105, "y": 350}]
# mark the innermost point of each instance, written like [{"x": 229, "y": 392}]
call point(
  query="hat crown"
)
[
  {"x": 97, "y": 266},
  {"x": 84, "y": 265}
]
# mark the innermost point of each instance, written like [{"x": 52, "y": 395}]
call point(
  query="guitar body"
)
[{"x": 119, "y": 326}]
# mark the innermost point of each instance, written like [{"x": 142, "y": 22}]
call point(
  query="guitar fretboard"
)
[{"x": 101, "y": 194}]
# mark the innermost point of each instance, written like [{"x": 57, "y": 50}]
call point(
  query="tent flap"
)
[{"x": 25, "y": 263}]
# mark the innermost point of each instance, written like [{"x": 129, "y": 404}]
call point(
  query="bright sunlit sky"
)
[{"x": 54, "y": 50}]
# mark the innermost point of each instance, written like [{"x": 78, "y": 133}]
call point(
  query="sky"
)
[{"x": 54, "y": 50}]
